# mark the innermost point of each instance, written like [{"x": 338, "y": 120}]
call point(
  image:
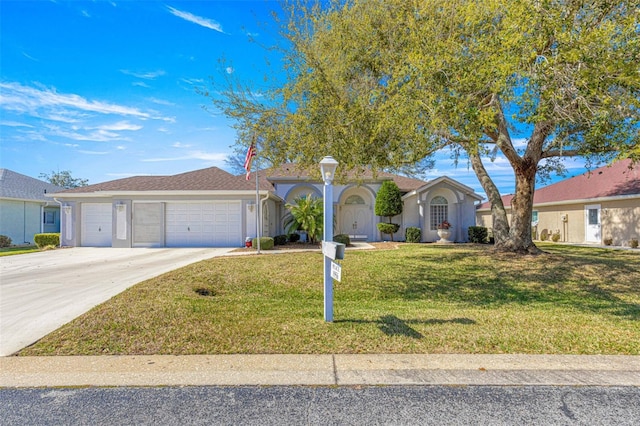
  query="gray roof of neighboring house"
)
[{"x": 20, "y": 187}]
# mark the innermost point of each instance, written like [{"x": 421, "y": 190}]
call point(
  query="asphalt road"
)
[{"x": 296, "y": 405}]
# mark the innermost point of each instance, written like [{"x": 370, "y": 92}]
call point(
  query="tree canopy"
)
[
  {"x": 63, "y": 179},
  {"x": 386, "y": 83}
]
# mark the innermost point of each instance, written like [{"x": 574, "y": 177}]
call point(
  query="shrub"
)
[
  {"x": 45, "y": 240},
  {"x": 633, "y": 243},
  {"x": 5, "y": 241},
  {"x": 608, "y": 241},
  {"x": 342, "y": 238},
  {"x": 478, "y": 234},
  {"x": 544, "y": 235},
  {"x": 388, "y": 228},
  {"x": 555, "y": 237},
  {"x": 388, "y": 204},
  {"x": 280, "y": 240},
  {"x": 306, "y": 213},
  {"x": 294, "y": 238},
  {"x": 266, "y": 243},
  {"x": 413, "y": 234}
]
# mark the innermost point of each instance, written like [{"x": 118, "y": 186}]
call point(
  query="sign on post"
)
[{"x": 336, "y": 271}]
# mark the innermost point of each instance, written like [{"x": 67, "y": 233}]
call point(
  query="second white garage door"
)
[{"x": 214, "y": 224}]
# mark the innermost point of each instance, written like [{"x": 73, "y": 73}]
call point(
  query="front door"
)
[
  {"x": 355, "y": 222},
  {"x": 593, "y": 225}
]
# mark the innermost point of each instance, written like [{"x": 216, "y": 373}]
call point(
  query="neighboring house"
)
[
  {"x": 211, "y": 207},
  {"x": 25, "y": 209},
  {"x": 597, "y": 205}
]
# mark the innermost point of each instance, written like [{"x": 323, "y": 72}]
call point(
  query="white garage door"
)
[
  {"x": 96, "y": 224},
  {"x": 214, "y": 224}
]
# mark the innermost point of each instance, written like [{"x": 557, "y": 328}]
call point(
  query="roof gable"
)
[
  {"x": 454, "y": 183},
  {"x": 22, "y": 187}
]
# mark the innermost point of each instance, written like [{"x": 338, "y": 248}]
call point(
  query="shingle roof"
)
[
  {"x": 608, "y": 181},
  {"x": 296, "y": 171},
  {"x": 215, "y": 179},
  {"x": 18, "y": 186},
  {"x": 211, "y": 179}
]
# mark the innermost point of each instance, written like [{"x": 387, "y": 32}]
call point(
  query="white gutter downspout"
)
[{"x": 60, "y": 202}]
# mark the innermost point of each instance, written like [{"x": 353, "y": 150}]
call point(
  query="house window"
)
[
  {"x": 49, "y": 218},
  {"x": 534, "y": 216},
  {"x": 439, "y": 211},
  {"x": 354, "y": 199}
]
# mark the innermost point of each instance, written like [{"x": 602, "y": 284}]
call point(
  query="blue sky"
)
[{"x": 107, "y": 89}]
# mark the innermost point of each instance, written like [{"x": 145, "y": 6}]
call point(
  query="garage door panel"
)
[
  {"x": 203, "y": 224},
  {"x": 96, "y": 224}
]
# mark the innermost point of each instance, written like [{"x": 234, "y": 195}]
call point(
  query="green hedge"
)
[
  {"x": 342, "y": 238},
  {"x": 46, "y": 240},
  {"x": 5, "y": 241},
  {"x": 478, "y": 234},
  {"x": 266, "y": 243},
  {"x": 413, "y": 234},
  {"x": 280, "y": 240}
]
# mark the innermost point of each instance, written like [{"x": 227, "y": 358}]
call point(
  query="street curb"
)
[{"x": 321, "y": 370}]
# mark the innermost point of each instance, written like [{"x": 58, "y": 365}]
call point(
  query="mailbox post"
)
[{"x": 328, "y": 168}]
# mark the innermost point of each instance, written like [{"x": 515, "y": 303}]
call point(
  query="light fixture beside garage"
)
[
  {"x": 251, "y": 205},
  {"x": 67, "y": 209}
]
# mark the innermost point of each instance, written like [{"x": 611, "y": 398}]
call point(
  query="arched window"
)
[
  {"x": 354, "y": 199},
  {"x": 439, "y": 211}
]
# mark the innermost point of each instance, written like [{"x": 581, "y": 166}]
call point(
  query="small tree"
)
[
  {"x": 388, "y": 204},
  {"x": 306, "y": 213}
]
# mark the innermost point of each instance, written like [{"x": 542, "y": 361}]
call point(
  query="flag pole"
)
[{"x": 258, "y": 207}]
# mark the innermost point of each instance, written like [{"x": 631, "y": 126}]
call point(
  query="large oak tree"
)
[{"x": 386, "y": 83}]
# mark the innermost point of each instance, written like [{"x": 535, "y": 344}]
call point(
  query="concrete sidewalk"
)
[{"x": 327, "y": 370}]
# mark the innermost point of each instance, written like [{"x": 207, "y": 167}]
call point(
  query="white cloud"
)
[
  {"x": 229, "y": 70},
  {"x": 93, "y": 152},
  {"x": 25, "y": 99},
  {"x": 141, "y": 84},
  {"x": 181, "y": 145},
  {"x": 204, "y": 22},
  {"x": 214, "y": 157},
  {"x": 14, "y": 124},
  {"x": 119, "y": 126},
  {"x": 161, "y": 102},
  {"x": 149, "y": 75}
]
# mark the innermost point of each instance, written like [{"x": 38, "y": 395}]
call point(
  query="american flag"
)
[{"x": 251, "y": 152}]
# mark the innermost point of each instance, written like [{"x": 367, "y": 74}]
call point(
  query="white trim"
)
[{"x": 578, "y": 201}]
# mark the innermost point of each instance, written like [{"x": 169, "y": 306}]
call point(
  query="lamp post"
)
[{"x": 328, "y": 168}]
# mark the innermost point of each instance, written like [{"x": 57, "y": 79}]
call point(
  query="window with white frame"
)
[{"x": 439, "y": 211}]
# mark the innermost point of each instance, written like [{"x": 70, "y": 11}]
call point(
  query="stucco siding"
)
[{"x": 20, "y": 220}]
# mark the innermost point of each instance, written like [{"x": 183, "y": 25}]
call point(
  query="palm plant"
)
[{"x": 306, "y": 214}]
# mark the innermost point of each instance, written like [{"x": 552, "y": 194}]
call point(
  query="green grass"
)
[
  {"x": 419, "y": 298},
  {"x": 10, "y": 251}
]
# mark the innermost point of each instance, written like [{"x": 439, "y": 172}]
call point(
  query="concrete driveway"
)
[{"x": 39, "y": 292}]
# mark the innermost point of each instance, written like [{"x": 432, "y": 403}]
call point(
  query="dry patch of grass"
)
[{"x": 414, "y": 298}]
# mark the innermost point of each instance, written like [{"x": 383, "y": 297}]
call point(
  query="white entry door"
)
[
  {"x": 214, "y": 224},
  {"x": 96, "y": 224},
  {"x": 355, "y": 221},
  {"x": 593, "y": 225}
]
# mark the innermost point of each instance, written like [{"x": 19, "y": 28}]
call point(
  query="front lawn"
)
[
  {"x": 10, "y": 251},
  {"x": 418, "y": 298}
]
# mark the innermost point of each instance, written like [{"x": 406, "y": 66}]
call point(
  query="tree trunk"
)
[
  {"x": 498, "y": 214},
  {"x": 519, "y": 239}
]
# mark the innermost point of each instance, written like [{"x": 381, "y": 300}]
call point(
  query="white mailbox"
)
[{"x": 333, "y": 250}]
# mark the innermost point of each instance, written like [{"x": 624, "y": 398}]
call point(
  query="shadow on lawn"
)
[
  {"x": 594, "y": 280},
  {"x": 391, "y": 325}
]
